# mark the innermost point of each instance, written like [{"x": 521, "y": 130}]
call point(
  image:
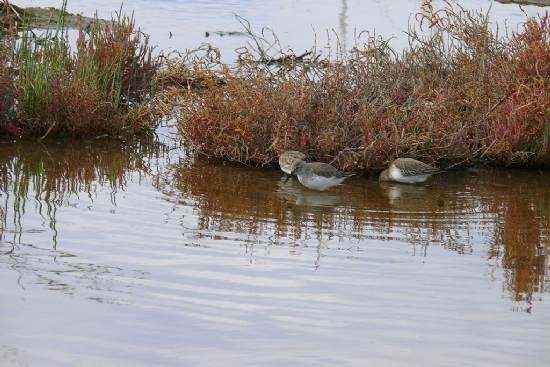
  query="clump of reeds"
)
[
  {"x": 103, "y": 87},
  {"x": 460, "y": 94}
]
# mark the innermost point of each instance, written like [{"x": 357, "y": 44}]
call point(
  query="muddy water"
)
[{"x": 131, "y": 253}]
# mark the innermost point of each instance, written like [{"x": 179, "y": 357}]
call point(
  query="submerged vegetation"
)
[{"x": 462, "y": 92}]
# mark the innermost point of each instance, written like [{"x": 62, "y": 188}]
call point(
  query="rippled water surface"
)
[{"x": 133, "y": 253}]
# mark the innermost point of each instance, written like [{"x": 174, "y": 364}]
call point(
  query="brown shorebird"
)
[
  {"x": 408, "y": 170},
  {"x": 317, "y": 175},
  {"x": 287, "y": 158}
]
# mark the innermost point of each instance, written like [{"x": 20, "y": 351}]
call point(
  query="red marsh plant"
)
[
  {"x": 523, "y": 124},
  {"x": 8, "y": 74},
  {"x": 460, "y": 93},
  {"x": 104, "y": 87}
]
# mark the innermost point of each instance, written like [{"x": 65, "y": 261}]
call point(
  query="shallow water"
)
[
  {"x": 132, "y": 253},
  {"x": 299, "y": 25}
]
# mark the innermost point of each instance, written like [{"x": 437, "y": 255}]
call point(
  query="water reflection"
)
[
  {"x": 37, "y": 179},
  {"x": 49, "y": 172},
  {"x": 342, "y": 23},
  {"x": 64, "y": 272},
  {"x": 520, "y": 242},
  {"x": 503, "y": 212},
  {"x": 161, "y": 242},
  {"x": 405, "y": 195}
]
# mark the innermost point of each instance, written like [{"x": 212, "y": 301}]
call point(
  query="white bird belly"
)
[
  {"x": 398, "y": 176},
  {"x": 320, "y": 183}
]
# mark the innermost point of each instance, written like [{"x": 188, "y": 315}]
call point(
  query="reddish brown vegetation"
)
[
  {"x": 460, "y": 95},
  {"x": 102, "y": 88}
]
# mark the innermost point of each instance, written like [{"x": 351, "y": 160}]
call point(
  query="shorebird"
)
[
  {"x": 287, "y": 158},
  {"x": 317, "y": 175},
  {"x": 408, "y": 170}
]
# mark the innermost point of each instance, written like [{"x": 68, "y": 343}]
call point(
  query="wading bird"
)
[
  {"x": 408, "y": 170},
  {"x": 317, "y": 175}
]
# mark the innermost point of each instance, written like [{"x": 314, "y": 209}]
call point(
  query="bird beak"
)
[{"x": 288, "y": 177}]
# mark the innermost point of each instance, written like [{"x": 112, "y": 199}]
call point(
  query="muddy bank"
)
[{"x": 40, "y": 18}]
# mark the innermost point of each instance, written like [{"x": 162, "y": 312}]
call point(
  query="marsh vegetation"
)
[{"x": 463, "y": 92}]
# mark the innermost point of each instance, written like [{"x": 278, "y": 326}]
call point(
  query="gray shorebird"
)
[
  {"x": 317, "y": 175},
  {"x": 408, "y": 170},
  {"x": 287, "y": 158}
]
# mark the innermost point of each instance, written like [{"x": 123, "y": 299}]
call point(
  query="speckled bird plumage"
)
[
  {"x": 287, "y": 158},
  {"x": 408, "y": 170},
  {"x": 317, "y": 175}
]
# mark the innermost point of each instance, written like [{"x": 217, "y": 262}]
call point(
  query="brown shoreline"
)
[{"x": 42, "y": 18}]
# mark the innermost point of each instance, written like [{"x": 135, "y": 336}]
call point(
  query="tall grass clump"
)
[
  {"x": 103, "y": 87},
  {"x": 461, "y": 92}
]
